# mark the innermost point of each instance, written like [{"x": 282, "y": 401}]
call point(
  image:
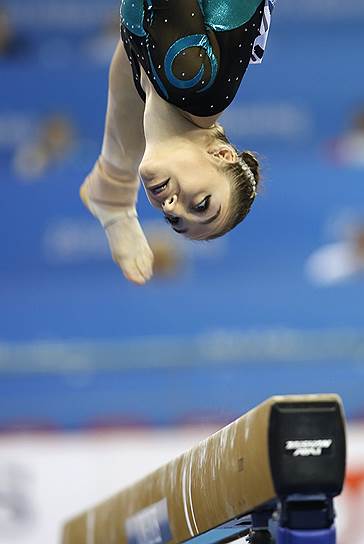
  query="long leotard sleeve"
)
[
  {"x": 114, "y": 181},
  {"x": 110, "y": 190}
]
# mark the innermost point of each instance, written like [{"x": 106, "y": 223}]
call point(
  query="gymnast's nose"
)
[{"x": 169, "y": 203}]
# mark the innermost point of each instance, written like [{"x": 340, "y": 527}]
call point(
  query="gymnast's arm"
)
[{"x": 110, "y": 190}]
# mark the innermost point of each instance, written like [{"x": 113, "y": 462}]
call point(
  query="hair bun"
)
[{"x": 252, "y": 161}]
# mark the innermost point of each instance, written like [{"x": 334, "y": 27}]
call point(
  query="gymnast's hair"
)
[{"x": 245, "y": 176}]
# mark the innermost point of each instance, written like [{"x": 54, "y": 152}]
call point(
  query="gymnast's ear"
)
[{"x": 224, "y": 153}]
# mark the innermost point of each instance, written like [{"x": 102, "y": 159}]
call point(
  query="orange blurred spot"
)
[{"x": 354, "y": 479}]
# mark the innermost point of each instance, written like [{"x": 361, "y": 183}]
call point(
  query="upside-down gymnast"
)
[{"x": 177, "y": 67}]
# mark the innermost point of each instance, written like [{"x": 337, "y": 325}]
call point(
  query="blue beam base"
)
[{"x": 295, "y": 536}]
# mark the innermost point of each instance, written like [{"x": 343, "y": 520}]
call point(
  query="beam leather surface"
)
[{"x": 225, "y": 476}]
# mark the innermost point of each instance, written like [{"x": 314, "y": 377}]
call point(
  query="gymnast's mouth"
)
[{"x": 160, "y": 188}]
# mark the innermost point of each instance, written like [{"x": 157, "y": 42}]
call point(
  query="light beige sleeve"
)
[{"x": 114, "y": 181}]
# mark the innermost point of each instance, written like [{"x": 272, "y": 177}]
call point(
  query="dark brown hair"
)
[{"x": 245, "y": 176}]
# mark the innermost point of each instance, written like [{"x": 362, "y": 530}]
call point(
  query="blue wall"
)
[{"x": 309, "y": 86}]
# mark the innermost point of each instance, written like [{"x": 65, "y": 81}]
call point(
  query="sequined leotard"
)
[{"x": 195, "y": 52}]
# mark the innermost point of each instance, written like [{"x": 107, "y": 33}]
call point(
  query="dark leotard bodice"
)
[{"x": 195, "y": 52}]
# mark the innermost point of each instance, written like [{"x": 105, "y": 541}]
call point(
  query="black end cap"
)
[{"x": 307, "y": 448}]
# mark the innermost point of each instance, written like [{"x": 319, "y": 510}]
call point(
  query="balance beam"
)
[{"x": 286, "y": 447}]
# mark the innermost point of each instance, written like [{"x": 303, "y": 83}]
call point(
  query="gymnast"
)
[{"x": 177, "y": 67}]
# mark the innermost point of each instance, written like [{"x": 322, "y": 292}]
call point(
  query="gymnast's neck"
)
[{"x": 164, "y": 120}]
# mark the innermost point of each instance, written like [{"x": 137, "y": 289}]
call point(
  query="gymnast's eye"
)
[
  {"x": 203, "y": 205},
  {"x": 171, "y": 220}
]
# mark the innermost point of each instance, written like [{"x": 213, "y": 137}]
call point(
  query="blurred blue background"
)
[{"x": 224, "y": 324}]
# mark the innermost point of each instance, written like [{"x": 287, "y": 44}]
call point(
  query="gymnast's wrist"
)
[
  {"x": 117, "y": 170},
  {"x": 119, "y": 216},
  {"x": 108, "y": 215}
]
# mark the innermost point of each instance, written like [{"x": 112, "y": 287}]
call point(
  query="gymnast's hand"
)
[
  {"x": 128, "y": 244},
  {"x": 129, "y": 247}
]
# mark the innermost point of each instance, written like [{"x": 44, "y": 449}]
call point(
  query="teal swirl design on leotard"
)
[
  {"x": 218, "y": 15},
  {"x": 194, "y": 40}
]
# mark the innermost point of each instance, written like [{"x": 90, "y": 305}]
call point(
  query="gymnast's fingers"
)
[
  {"x": 131, "y": 271},
  {"x": 145, "y": 265}
]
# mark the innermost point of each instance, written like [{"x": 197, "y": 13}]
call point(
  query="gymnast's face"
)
[{"x": 185, "y": 183}]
